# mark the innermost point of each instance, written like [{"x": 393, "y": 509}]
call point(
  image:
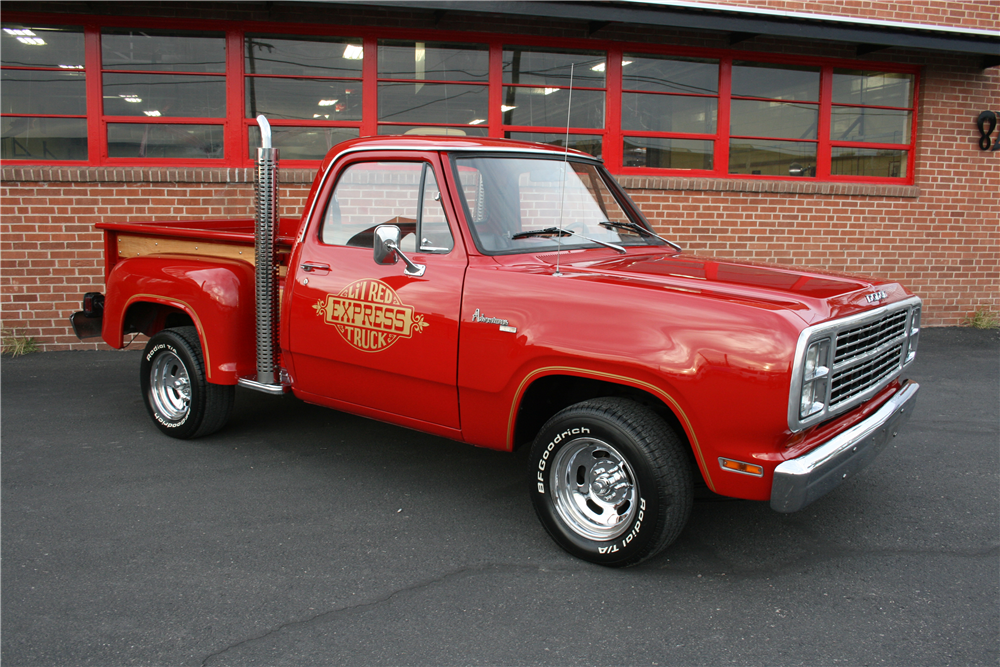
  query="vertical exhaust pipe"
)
[{"x": 266, "y": 270}]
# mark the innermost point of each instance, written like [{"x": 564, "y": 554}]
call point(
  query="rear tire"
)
[
  {"x": 611, "y": 482},
  {"x": 179, "y": 398}
]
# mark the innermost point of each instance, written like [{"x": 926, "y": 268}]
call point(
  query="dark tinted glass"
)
[
  {"x": 668, "y": 153},
  {"x": 772, "y": 158},
  {"x": 753, "y": 118},
  {"x": 881, "y": 126},
  {"x": 670, "y": 75},
  {"x": 164, "y": 95},
  {"x": 432, "y": 103},
  {"x": 164, "y": 141},
  {"x": 47, "y": 93},
  {"x": 885, "y": 89},
  {"x": 868, "y": 162},
  {"x": 31, "y": 46},
  {"x": 464, "y": 131},
  {"x": 159, "y": 51},
  {"x": 303, "y": 143},
  {"x": 778, "y": 82},
  {"x": 309, "y": 99},
  {"x": 44, "y": 139},
  {"x": 547, "y": 107},
  {"x": 268, "y": 54},
  {"x": 588, "y": 143},
  {"x": 433, "y": 60},
  {"x": 669, "y": 113},
  {"x": 542, "y": 67}
]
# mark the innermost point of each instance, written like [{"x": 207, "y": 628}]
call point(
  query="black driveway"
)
[{"x": 303, "y": 536}]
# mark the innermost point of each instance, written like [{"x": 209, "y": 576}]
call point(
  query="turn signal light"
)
[{"x": 740, "y": 466}]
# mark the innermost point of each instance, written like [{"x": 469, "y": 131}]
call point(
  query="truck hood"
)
[{"x": 814, "y": 295}]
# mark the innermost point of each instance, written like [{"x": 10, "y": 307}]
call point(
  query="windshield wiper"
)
[
  {"x": 638, "y": 229},
  {"x": 560, "y": 231}
]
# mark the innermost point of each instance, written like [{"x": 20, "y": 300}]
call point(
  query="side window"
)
[{"x": 370, "y": 194}]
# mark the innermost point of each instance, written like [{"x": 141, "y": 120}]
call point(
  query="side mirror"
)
[{"x": 387, "y": 250}]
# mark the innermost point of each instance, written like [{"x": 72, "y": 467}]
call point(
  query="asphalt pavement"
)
[{"x": 304, "y": 536}]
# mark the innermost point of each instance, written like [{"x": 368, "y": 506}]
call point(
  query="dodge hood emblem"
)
[{"x": 876, "y": 296}]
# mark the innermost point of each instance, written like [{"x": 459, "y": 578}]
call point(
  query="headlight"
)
[
  {"x": 913, "y": 336},
  {"x": 815, "y": 376}
]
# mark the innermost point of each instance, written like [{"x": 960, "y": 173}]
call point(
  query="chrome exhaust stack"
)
[{"x": 266, "y": 269}]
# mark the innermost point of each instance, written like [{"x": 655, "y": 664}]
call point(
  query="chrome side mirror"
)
[{"x": 387, "y": 250}]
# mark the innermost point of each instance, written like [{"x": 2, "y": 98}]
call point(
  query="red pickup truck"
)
[{"x": 505, "y": 294}]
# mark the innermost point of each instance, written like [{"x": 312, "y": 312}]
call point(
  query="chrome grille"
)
[
  {"x": 854, "y": 380},
  {"x": 859, "y": 341}
]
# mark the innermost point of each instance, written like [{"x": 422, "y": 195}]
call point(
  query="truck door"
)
[{"x": 364, "y": 335}]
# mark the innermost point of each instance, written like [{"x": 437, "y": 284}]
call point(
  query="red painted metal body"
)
[{"x": 713, "y": 342}]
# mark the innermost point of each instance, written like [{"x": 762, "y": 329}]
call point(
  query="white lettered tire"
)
[
  {"x": 179, "y": 398},
  {"x": 610, "y": 481}
]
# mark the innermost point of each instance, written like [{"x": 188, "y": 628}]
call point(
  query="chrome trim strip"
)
[
  {"x": 272, "y": 389},
  {"x": 797, "y": 482}
]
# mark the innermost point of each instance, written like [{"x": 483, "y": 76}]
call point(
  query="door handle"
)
[{"x": 309, "y": 267}]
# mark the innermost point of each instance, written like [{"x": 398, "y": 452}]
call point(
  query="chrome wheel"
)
[
  {"x": 170, "y": 387},
  {"x": 595, "y": 489}
]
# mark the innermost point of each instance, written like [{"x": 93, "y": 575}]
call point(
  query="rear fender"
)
[{"x": 145, "y": 293}]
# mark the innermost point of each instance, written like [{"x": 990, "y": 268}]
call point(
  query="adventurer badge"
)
[{"x": 369, "y": 315}]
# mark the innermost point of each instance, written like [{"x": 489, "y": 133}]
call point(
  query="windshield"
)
[{"x": 504, "y": 197}]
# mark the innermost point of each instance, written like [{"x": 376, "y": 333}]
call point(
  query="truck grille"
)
[
  {"x": 848, "y": 383},
  {"x": 867, "y": 354},
  {"x": 859, "y": 341}
]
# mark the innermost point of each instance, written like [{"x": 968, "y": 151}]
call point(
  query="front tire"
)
[
  {"x": 179, "y": 398},
  {"x": 611, "y": 482}
]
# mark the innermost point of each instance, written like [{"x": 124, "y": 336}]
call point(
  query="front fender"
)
[{"x": 217, "y": 294}]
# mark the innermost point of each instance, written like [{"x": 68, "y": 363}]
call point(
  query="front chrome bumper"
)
[{"x": 798, "y": 482}]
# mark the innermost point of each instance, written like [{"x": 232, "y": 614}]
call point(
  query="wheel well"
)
[{"x": 150, "y": 318}]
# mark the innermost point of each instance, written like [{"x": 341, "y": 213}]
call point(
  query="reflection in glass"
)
[
  {"x": 754, "y": 118},
  {"x": 436, "y": 131},
  {"x": 551, "y": 67},
  {"x": 303, "y": 99},
  {"x": 884, "y": 89},
  {"x": 44, "y": 139},
  {"x": 440, "y": 61},
  {"x": 164, "y": 141},
  {"x": 670, "y": 75},
  {"x": 587, "y": 143},
  {"x": 776, "y": 82},
  {"x": 868, "y": 162},
  {"x": 47, "y": 93},
  {"x": 546, "y": 107},
  {"x": 668, "y": 153},
  {"x": 432, "y": 102},
  {"x": 59, "y": 47},
  {"x": 885, "y": 126},
  {"x": 303, "y": 143},
  {"x": 303, "y": 56},
  {"x": 162, "y": 51},
  {"x": 164, "y": 95},
  {"x": 772, "y": 158},
  {"x": 669, "y": 113}
]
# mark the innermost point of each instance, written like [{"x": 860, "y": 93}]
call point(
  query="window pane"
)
[
  {"x": 464, "y": 131},
  {"x": 884, "y": 126},
  {"x": 778, "y": 82},
  {"x": 547, "y": 107},
  {"x": 884, "y": 89},
  {"x": 30, "y": 46},
  {"x": 588, "y": 143},
  {"x": 46, "y": 93},
  {"x": 319, "y": 99},
  {"x": 160, "y": 51},
  {"x": 303, "y": 143},
  {"x": 164, "y": 141},
  {"x": 370, "y": 194},
  {"x": 435, "y": 235},
  {"x": 670, "y": 75},
  {"x": 44, "y": 139},
  {"x": 669, "y": 113},
  {"x": 545, "y": 67},
  {"x": 753, "y": 118},
  {"x": 668, "y": 153},
  {"x": 432, "y": 102},
  {"x": 772, "y": 158},
  {"x": 164, "y": 95},
  {"x": 868, "y": 162},
  {"x": 318, "y": 56},
  {"x": 433, "y": 60}
]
